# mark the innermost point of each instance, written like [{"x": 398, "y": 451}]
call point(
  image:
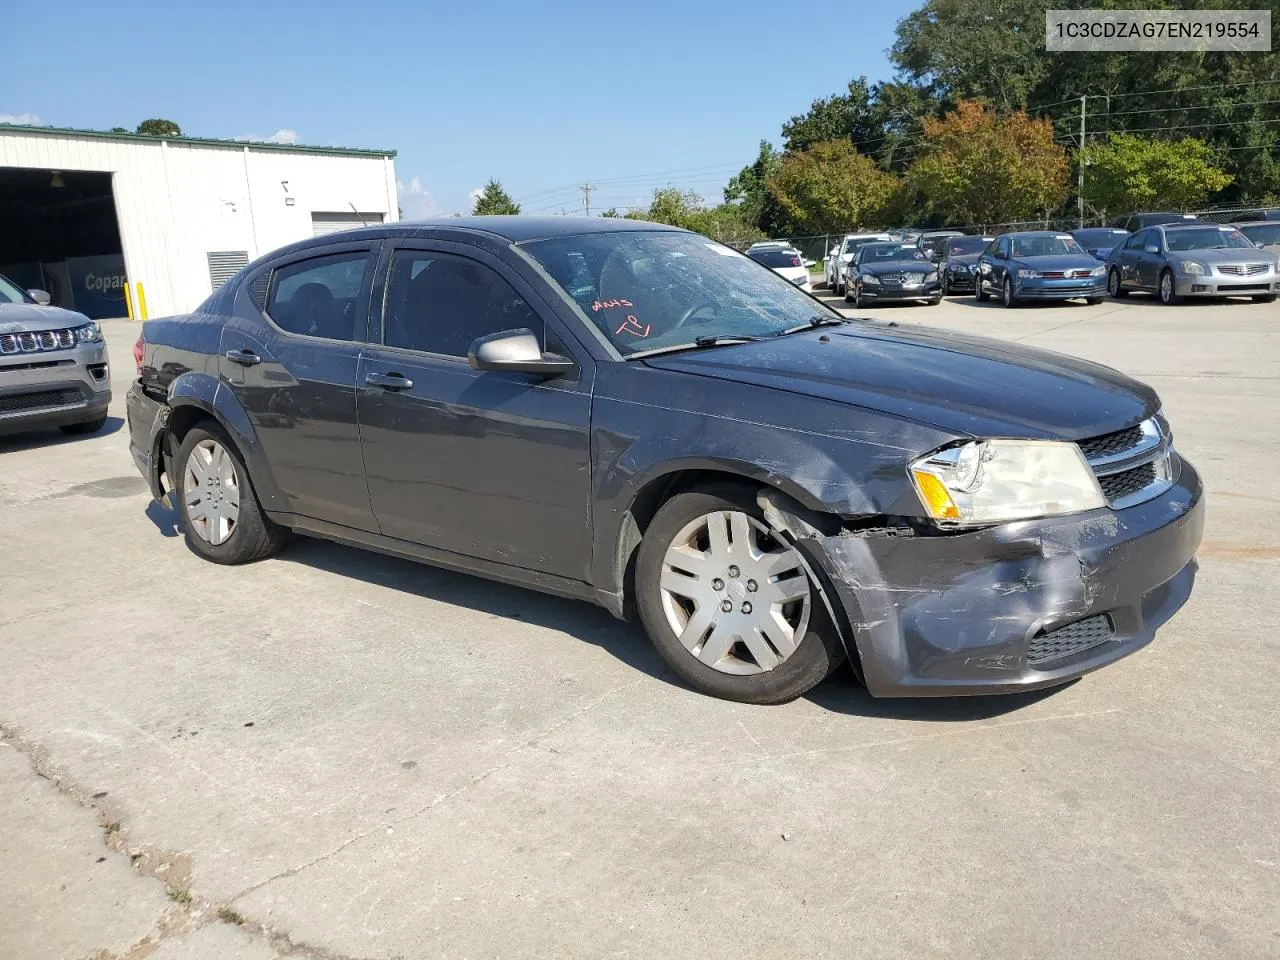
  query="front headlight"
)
[
  {"x": 997, "y": 481},
  {"x": 89, "y": 333},
  {"x": 871, "y": 278},
  {"x": 1194, "y": 268},
  {"x": 1098, "y": 271},
  {"x": 1025, "y": 274}
]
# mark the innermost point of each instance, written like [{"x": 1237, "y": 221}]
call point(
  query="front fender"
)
[{"x": 205, "y": 392}]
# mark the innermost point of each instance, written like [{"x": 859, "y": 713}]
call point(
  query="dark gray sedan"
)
[
  {"x": 1193, "y": 260},
  {"x": 642, "y": 418}
]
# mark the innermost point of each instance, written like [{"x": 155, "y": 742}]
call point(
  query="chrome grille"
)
[
  {"x": 37, "y": 342},
  {"x": 1133, "y": 464},
  {"x": 1242, "y": 269},
  {"x": 1069, "y": 640}
]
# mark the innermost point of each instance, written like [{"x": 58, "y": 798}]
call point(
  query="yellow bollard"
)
[
  {"x": 128, "y": 301},
  {"x": 142, "y": 302}
]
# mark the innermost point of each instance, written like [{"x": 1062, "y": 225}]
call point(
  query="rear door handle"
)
[
  {"x": 388, "y": 381},
  {"x": 243, "y": 356}
]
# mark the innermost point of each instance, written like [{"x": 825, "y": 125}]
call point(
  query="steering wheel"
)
[{"x": 687, "y": 316}]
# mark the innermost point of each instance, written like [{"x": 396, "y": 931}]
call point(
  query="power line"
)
[{"x": 1209, "y": 86}]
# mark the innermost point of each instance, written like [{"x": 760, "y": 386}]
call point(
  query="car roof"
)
[
  {"x": 516, "y": 229},
  {"x": 1189, "y": 225},
  {"x": 1027, "y": 234}
]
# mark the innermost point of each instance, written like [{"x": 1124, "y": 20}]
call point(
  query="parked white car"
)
[
  {"x": 837, "y": 261},
  {"x": 786, "y": 263}
]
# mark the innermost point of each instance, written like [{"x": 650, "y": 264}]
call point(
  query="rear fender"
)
[{"x": 204, "y": 392}]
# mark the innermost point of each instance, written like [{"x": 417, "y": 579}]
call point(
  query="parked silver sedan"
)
[{"x": 1193, "y": 260}]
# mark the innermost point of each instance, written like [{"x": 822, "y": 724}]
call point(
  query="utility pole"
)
[
  {"x": 586, "y": 189},
  {"x": 1080, "y": 178}
]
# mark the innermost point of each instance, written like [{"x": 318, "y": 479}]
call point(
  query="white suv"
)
[{"x": 840, "y": 256}]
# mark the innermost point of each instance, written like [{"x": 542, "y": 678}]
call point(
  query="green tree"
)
[
  {"x": 159, "y": 128},
  {"x": 684, "y": 209},
  {"x": 1136, "y": 173},
  {"x": 119, "y": 130},
  {"x": 494, "y": 200},
  {"x": 841, "y": 116},
  {"x": 612, "y": 213},
  {"x": 831, "y": 187},
  {"x": 979, "y": 167}
]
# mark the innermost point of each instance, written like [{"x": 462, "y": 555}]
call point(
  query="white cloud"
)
[
  {"x": 283, "y": 135},
  {"x": 415, "y": 201},
  {"x": 22, "y": 119},
  {"x": 475, "y": 195}
]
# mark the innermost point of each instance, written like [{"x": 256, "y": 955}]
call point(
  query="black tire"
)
[
  {"x": 1164, "y": 290},
  {"x": 1093, "y": 301},
  {"x": 1006, "y": 294},
  {"x": 1114, "y": 288},
  {"x": 1264, "y": 298},
  {"x": 848, "y": 294},
  {"x": 857, "y": 296},
  {"x": 86, "y": 426},
  {"x": 981, "y": 295},
  {"x": 817, "y": 655},
  {"x": 840, "y": 289},
  {"x": 254, "y": 537},
  {"x": 934, "y": 302}
]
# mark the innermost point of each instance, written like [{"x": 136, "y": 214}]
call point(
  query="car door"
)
[
  {"x": 492, "y": 465},
  {"x": 997, "y": 264},
  {"x": 1146, "y": 264},
  {"x": 292, "y": 367},
  {"x": 1128, "y": 257}
]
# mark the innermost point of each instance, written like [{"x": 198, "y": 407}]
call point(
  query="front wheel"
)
[
  {"x": 1113, "y": 285},
  {"x": 216, "y": 502},
  {"x": 728, "y": 603},
  {"x": 1165, "y": 288},
  {"x": 1093, "y": 301},
  {"x": 978, "y": 292},
  {"x": 90, "y": 426},
  {"x": 1006, "y": 294}
]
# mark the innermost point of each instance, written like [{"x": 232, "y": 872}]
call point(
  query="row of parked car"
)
[{"x": 1171, "y": 255}]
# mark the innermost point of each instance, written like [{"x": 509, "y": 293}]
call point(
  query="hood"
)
[
  {"x": 968, "y": 385},
  {"x": 897, "y": 266},
  {"x": 1061, "y": 261},
  {"x": 30, "y": 318},
  {"x": 1231, "y": 255},
  {"x": 966, "y": 258}
]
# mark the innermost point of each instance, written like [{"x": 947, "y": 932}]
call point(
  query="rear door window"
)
[{"x": 319, "y": 297}]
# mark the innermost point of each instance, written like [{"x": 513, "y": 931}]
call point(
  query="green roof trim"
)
[{"x": 194, "y": 141}]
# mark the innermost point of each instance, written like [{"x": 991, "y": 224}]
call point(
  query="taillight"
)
[{"x": 137, "y": 353}]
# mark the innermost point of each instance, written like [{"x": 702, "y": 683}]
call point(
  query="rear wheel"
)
[
  {"x": 1113, "y": 285},
  {"x": 219, "y": 510},
  {"x": 728, "y": 602},
  {"x": 90, "y": 426}
]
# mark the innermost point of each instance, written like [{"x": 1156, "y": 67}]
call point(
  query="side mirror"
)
[
  {"x": 1151, "y": 248},
  {"x": 517, "y": 351},
  {"x": 40, "y": 296}
]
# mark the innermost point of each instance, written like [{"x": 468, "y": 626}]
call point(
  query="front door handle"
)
[
  {"x": 244, "y": 356},
  {"x": 388, "y": 381}
]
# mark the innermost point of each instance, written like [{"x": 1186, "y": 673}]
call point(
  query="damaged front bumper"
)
[{"x": 1012, "y": 607}]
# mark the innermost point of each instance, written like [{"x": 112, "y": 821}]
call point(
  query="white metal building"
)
[{"x": 111, "y": 223}]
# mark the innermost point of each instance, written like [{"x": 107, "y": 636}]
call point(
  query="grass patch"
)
[
  {"x": 227, "y": 915},
  {"x": 178, "y": 896}
]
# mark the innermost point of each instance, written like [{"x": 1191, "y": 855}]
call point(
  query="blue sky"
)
[{"x": 543, "y": 96}]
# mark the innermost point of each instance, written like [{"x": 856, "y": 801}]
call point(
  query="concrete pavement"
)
[{"x": 336, "y": 754}]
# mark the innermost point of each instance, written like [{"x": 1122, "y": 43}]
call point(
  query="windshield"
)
[
  {"x": 1046, "y": 246},
  {"x": 1262, "y": 232},
  {"x": 1206, "y": 238},
  {"x": 887, "y": 252},
  {"x": 963, "y": 246},
  {"x": 647, "y": 290},
  {"x": 1096, "y": 239},
  {"x": 775, "y": 258},
  {"x": 11, "y": 293}
]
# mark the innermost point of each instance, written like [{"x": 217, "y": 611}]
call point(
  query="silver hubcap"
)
[
  {"x": 736, "y": 595},
  {"x": 211, "y": 491}
]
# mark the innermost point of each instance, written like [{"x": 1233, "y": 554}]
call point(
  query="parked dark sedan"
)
[
  {"x": 1099, "y": 240},
  {"x": 636, "y": 416},
  {"x": 1039, "y": 265},
  {"x": 891, "y": 271},
  {"x": 957, "y": 259}
]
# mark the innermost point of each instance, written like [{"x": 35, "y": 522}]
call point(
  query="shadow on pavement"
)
[
  {"x": 842, "y": 693},
  {"x": 54, "y": 437}
]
